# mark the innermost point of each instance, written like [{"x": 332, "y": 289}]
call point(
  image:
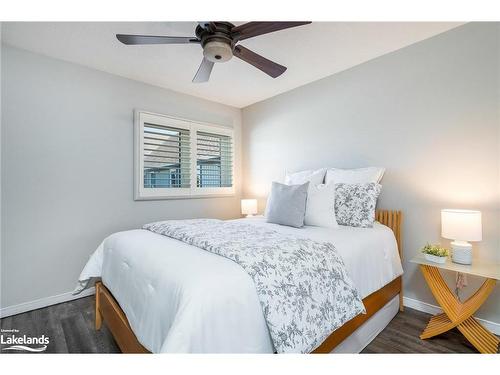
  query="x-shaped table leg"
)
[{"x": 458, "y": 314}]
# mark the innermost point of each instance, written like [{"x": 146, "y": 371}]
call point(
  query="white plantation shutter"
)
[
  {"x": 214, "y": 160},
  {"x": 166, "y": 157},
  {"x": 178, "y": 158}
]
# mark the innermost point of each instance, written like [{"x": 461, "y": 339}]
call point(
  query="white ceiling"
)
[{"x": 310, "y": 52}]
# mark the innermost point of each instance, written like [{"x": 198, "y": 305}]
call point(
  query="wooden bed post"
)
[
  {"x": 98, "y": 315},
  {"x": 394, "y": 220},
  {"x": 108, "y": 310}
]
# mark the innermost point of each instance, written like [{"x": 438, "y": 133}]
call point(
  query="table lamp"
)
[
  {"x": 249, "y": 207},
  {"x": 461, "y": 226}
]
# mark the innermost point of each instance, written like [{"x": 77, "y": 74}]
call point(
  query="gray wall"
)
[
  {"x": 67, "y": 168},
  {"x": 429, "y": 113}
]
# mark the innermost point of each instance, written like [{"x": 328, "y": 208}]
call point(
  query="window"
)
[
  {"x": 166, "y": 157},
  {"x": 177, "y": 158},
  {"x": 214, "y": 160}
]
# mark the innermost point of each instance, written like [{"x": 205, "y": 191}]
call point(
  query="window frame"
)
[{"x": 142, "y": 193}]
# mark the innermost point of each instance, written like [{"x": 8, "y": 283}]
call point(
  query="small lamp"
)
[
  {"x": 249, "y": 207},
  {"x": 461, "y": 226}
]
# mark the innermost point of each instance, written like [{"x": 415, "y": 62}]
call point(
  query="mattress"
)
[{"x": 179, "y": 298}]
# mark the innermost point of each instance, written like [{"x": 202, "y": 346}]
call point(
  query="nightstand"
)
[{"x": 455, "y": 313}]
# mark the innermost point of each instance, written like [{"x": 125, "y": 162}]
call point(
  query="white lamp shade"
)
[
  {"x": 249, "y": 206},
  {"x": 461, "y": 225}
]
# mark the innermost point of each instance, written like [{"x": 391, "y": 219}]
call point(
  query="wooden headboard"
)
[{"x": 392, "y": 219}]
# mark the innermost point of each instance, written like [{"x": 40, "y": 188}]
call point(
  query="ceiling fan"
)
[{"x": 219, "y": 42}]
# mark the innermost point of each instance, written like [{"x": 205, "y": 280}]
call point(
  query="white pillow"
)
[
  {"x": 298, "y": 178},
  {"x": 354, "y": 176},
  {"x": 320, "y": 206}
]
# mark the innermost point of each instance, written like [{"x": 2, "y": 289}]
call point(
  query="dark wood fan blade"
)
[
  {"x": 251, "y": 29},
  {"x": 153, "y": 39},
  {"x": 267, "y": 66},
  {"x": 203, "y": 73}
]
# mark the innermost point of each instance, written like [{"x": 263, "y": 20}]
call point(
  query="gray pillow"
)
[
  {"x": 286, "y": 204},
  {"x": 355, "y": 204}
]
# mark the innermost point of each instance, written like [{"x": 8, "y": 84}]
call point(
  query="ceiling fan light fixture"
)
[
  {"x": 216, "y": 51},
  {"x": 219, "y": 41}
]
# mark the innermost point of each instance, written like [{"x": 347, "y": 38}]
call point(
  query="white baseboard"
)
[
  {"x": 69, "y": 296},
  {"x": 43, "y": 302},
  {"x": 433, "y": 309}
]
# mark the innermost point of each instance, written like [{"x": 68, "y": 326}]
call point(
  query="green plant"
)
[{"x": 436, "y": 250}]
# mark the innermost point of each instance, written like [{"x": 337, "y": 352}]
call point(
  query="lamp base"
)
[{"x": 461, "y": 252}]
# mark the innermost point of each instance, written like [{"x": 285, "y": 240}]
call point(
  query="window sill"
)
[{"x": 197, "y": 196}]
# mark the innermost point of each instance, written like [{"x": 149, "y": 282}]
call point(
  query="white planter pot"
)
[{"x": 435, "y": 258}]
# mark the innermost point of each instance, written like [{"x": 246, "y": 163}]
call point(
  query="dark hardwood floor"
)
[
  {"x": 402, "y": 336},
  {"x": 70, "y": 328}
]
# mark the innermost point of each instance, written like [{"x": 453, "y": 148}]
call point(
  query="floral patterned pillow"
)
[{"x": 355, "y": 204}]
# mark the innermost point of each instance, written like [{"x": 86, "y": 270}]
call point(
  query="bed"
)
[{"x": 157, "y": 294}]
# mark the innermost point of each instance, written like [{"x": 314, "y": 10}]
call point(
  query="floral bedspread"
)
[{"x": 302, "y": 285}]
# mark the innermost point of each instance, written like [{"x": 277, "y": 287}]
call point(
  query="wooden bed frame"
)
[{"x": 108, "y": 310}]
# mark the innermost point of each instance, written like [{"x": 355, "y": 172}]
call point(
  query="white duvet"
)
[{"x": 179, "y": 298}]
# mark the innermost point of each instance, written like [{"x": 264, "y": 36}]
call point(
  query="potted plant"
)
[{"x": 435, "y": 253}]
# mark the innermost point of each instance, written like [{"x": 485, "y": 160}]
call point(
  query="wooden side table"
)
[{"x": 456, "y": 313}]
